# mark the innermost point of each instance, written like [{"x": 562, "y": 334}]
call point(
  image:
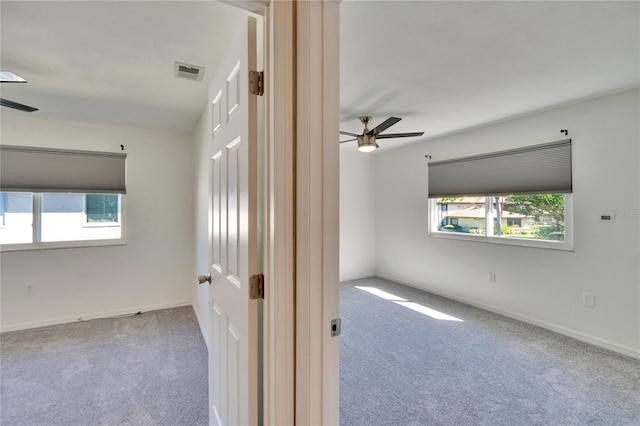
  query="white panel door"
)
[{"x": 233, "y": 352}]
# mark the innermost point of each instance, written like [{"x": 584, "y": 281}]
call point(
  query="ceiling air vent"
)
[{"x": 190, "y": 72}]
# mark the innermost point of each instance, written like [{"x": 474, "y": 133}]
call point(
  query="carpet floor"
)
[
  {"x": 148, "y": 369},
  {"x": 413, "y": 358},
  {"x": 407, "y": 358}
]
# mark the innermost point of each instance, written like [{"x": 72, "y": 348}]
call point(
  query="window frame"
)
[
  {"x": 567, "y": 244},
  {"x": 36, "y": 244}
]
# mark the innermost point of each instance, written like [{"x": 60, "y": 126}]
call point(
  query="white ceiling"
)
[
  {"x": 444, "y": 66},
  {"x": 112, "y": 61},
  {"x": 441, "y": 66}
]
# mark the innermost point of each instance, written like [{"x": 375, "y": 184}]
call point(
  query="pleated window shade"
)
[
  {"x": 27, "y": 169},
  {"x": 538, "y": 169}
]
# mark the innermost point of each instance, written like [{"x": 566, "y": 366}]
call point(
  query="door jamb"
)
[
  {"x": 317, "y": 211},
  {"x": 302, "y": 219}
]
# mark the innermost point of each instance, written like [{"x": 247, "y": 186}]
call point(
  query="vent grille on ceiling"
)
[{"x": 190, "y": 72}]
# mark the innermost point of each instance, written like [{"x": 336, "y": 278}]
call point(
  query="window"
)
[
  {"x": 17, "y": 218},
  {"x": 520, "y": 197},
  {"x": 44, "y": 220},
  {"x": 3, "y": 203},
  {"x": 526, "y": 217},
  {"x": 61, "y": 198}
]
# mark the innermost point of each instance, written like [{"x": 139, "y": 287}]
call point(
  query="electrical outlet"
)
[
  {"x": 492, "y": 277},
  {"x": 589, "y": 300},
  {"x": 29, "y": 289}
]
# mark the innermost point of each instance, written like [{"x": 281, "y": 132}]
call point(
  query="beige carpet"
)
[
  {"x": 413, "y": 358},
  {"x": 149, "y": 369}
]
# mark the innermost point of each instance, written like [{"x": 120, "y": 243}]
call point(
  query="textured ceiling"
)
[
  {"x": 112, "y": 61},
  {"x": 448, "y": 66},
  {"x": 441, "y": 66}
]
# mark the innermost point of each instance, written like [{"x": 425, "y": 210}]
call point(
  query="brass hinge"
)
[
  {"x": 256, "y": 286},
  {"x": 256, "y": 83}
]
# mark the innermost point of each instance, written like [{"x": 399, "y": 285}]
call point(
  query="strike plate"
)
[{"x": 335, "y": 327}]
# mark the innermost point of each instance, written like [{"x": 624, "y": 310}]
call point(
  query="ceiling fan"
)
[
  {"x": 9, "y": 77},
  {"x": 367, "y": 140}
]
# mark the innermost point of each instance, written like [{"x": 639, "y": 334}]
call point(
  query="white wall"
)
[
  {"x": 357, "y": 216},
  {"x": 539, "y": 285},
  {"x": 153, "y": 270}
]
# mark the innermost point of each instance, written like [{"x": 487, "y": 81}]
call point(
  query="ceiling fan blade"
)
[
  {"x": 349, "y": 140},
  {"x": 399, "y": 135},
  {"x": 348, "y": 133},
  {"x": 15, "y": 105},
  {"x": 384, "y": 125}
]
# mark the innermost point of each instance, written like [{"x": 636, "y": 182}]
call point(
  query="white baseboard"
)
[
  {"x": 357, "y": 276},
  {"x": 90, "y": 316},
  {"x": 205, "y": 336},
  {"x": 578, "y": 335}
]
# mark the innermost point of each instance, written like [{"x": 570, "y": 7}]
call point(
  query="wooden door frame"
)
[
  {"x": 317, "y": 211},
  {"x": 301, "y": 358},
  {"x": 279, "y": 309}
]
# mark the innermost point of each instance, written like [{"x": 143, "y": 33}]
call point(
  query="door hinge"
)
[
  {"x": 336, "y": 325},
  {"x": 256, "y": 286},
  {"x": 256, "y": 82}
]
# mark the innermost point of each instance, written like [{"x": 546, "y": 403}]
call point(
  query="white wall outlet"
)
[
  {"x": 589, "y": 300},
  {"x": 492, "y": 277},
  {"x": 29, "y": 289}
]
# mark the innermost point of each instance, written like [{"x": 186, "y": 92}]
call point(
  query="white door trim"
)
[
  {"x": 317, "y": 212},
  {"x": 279, "y": 308}
]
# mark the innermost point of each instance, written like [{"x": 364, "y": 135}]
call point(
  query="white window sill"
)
[
  {"x": 101, "y": 224},
  {"x": 544, "y": 244},
  {"x": 63, "y": 245}
]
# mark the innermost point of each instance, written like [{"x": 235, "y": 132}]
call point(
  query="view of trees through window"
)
[
  {"x": 536, "y": 216},
  {"x": 102, "y": 208}
]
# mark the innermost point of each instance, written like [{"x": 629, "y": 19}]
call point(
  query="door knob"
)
[{"x": 204, "y": 278}]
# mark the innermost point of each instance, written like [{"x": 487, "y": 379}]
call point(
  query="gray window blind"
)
[
  {"x": 537, "y": 169},
  {"x": 27, "y": 169}
]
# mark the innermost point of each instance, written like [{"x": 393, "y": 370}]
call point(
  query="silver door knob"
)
[{"x": 204, "y": 278}]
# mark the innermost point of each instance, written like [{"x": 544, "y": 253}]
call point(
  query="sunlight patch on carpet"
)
[
  {"x": 411, "y": 305},
  {"x": 380, "y": 293},
  {"x": 428, "y": 311}
]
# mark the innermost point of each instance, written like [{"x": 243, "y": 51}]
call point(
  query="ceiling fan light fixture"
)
[
  {"x": 367, "y": 143},
  {"x": 9, "y": 77},
  {"x": 367, "y": 140}
]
